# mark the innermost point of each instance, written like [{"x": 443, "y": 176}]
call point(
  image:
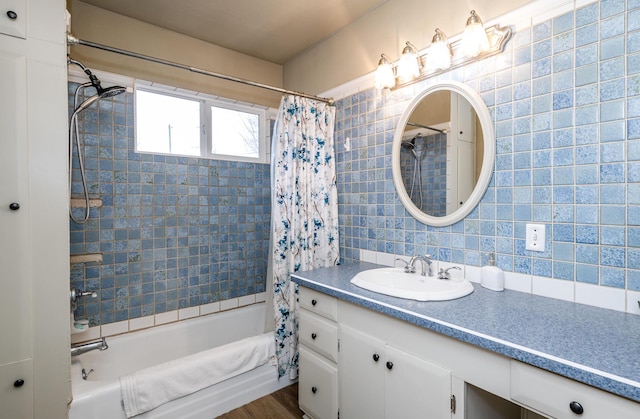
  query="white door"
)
[
  {"x": 15, "y": 287},
  {"x": 461, "y": 153}
]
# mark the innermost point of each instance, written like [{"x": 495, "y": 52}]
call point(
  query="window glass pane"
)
[
  {"x": 235, "y": 133},
  {"x": 167, "y": 124}
]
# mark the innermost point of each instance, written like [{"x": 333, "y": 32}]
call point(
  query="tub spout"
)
[{"x": 100, "y": 345}]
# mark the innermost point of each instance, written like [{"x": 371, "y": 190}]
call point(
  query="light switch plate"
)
[{"x": 535, "y": 237}]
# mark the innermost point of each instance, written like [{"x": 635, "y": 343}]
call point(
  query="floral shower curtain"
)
[{"x": 304, "y": 208}]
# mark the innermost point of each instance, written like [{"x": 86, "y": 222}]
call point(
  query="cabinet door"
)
[
  {"x": 15, "y": 288},
  {"x": 13, "y": 18},
  {"x": 16, "y": 390},
  {"x": 317, "y": 386},
  {"x": 361, "y": 375},
  {"x": 415, "y": 388}
]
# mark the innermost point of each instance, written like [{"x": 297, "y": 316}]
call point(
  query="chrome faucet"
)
[
  {"x": 100, "y": 345},
  {"x": 426, "y": 265}
]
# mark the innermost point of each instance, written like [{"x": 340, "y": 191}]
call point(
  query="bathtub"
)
[{"x": 99, "y": 396}]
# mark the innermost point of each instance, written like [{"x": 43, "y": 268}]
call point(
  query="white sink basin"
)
[{"x": 396, "y": 283}]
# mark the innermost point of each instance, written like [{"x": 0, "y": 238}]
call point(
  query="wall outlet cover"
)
[{"x": 535, "y": 237}]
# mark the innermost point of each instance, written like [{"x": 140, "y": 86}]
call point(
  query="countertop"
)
[{"x": 596, "y": 346}]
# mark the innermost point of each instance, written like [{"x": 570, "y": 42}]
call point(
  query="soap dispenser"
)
[{"x": 492, "y": 277}]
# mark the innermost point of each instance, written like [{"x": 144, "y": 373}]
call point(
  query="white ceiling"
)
[{"x": 273, "y": 30}]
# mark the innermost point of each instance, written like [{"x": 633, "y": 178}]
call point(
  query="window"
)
[
  {"x": 167, "y": 124},
  {"x": 190, "y": 125},
  {"x": 234, "y": 132}
]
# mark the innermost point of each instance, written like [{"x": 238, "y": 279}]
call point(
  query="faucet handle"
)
[
  {"x": 76, "y": 294},
  {"x": 444, "y": 273},
  {"x": 408, "y": 267}
]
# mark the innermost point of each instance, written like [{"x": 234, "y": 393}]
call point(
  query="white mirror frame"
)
[{"x": 487, "y": 163}]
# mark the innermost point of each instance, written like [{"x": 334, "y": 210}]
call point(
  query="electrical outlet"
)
[{"x": 535, "y": 237}]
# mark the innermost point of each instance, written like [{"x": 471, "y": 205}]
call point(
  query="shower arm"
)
[
  {"x": 94, "y": 80},
  {"x": 72, "y": 40}
]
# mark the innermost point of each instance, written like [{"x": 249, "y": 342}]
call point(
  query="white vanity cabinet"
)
[
  {"x": 390, "y": 368},
  {"x": 318, "y": 335},
  {"x": 380, "y": 381}
]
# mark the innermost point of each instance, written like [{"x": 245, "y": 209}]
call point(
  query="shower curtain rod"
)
[
  {"x": 72, "y": 40},
  {"x": 441, "y": 131}
]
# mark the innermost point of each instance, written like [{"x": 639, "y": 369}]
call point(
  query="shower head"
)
[{"x": 110, "y": 91}]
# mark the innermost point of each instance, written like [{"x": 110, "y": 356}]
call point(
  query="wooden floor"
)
[{"x": 283, "y": 404}]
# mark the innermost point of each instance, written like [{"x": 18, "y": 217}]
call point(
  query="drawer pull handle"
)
[
  {"x": 18, "y": 383},
  {"x": 576, "y": 408},
  {"x": 14, "y": 206},
  {"x": 314, "y": 389},
  {"x": 314, "y": 302},
  {"x": 12, "y": 15},
  {"x": 389, "y": 365},
  {"x": 376, "y": 357},
  {"x": 314, "y": 336}
]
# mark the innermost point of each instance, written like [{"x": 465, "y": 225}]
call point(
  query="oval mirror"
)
[{"x": 443, "y": 153}]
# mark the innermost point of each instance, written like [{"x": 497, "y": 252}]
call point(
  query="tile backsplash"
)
[
  {"x": 174, "y": 232},
  {"x": 565, "y": 103}
]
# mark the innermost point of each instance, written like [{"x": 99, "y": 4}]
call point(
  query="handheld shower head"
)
[
  {"x": 84, "y": 105},
  {"x": 409, "y": 144}
]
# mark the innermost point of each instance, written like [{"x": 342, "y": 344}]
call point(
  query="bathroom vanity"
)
[{"x": 486, "y": 355}]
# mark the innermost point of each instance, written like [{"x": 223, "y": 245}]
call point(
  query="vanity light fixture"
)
[
  {"x": 409, "y": 64},
  {"x": 385, "y": 78},
  {"x": 474, "y": 38},
  {"x": 440, "y": 53}
]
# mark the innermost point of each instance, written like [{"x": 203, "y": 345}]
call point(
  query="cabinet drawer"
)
[
  {"x": 319, "y": 303},
  {"x": 317, "y": 386},
  {"x": 551, "y": 395},
  {"x": 319, "y": 334}
]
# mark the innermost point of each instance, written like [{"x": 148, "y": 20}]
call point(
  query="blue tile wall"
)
[
  {"x": 565, "y": 103},
  {"x": 174, "y": 232}
]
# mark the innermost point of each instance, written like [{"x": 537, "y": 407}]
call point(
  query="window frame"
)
[{"x": 206, "y": 102}]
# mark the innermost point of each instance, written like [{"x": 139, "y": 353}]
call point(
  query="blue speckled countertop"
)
[{"x": 592, "y": 345}]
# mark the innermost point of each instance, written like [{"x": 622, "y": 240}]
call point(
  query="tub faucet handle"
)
[{"x": 75, "y": 295}]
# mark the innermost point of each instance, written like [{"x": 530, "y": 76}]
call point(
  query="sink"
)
[{"x": 397, "y": 283}]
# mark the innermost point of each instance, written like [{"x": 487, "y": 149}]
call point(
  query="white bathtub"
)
[{"x": 99, "y": 396}]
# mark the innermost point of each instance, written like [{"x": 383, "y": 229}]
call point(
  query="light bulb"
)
[
  {"x": 409, "y": 65},
  {"x": 440, "y": 51},
  {"x": 474, "y": 38},
  {"x": 385, "y": 78}
]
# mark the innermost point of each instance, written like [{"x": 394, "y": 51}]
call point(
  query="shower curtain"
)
[{"x": 304, "y": 212}]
